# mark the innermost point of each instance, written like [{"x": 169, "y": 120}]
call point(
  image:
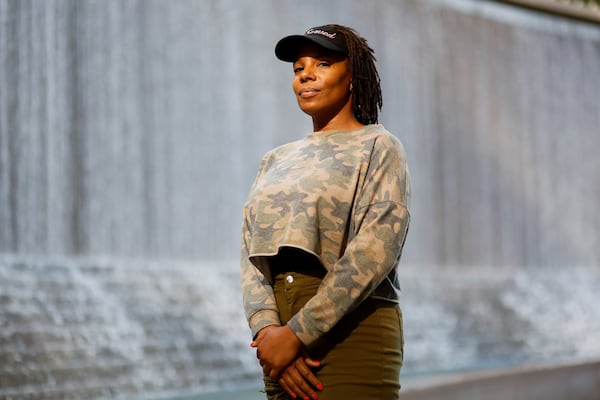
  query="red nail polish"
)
[
  {"x": 320, "y": 387},
  {"x": 294, "y": 395},
  {"x": 306, "y": 398},
  {"x": 314, "y": 396}
]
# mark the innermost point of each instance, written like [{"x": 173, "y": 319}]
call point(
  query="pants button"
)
[{"x": 289, "y": 279}]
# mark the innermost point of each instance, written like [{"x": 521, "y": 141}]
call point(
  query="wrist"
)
[
  {"x": 264, "y": 330},
  {"x": 295, "y": 341}
]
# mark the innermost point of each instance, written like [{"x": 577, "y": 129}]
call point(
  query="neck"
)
[
  {"x": 334, "y": 125},
  {"x": 339, "y": 121}
]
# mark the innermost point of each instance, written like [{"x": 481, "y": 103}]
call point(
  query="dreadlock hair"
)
[{"x": 366, "y": 88}]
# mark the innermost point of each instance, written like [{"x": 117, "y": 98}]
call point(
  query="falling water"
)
[{"x": 130, "y": 132}]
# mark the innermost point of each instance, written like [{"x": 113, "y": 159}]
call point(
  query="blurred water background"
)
[{"x": 130, "y": 132}]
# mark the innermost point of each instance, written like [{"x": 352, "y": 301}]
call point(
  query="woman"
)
[{"x": 324, "y": 226}]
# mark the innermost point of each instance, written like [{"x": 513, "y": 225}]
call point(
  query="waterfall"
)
[{"x": 130, "y": 132}]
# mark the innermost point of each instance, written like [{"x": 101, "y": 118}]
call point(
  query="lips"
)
[{"x": 307, "y": 92}]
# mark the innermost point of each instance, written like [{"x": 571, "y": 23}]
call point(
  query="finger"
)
[
  {"x": 307, "y": 374},
  {"x": 275, "y": 374},
  {"x": 301, "y": 385},
  {"x": 305, "y": 390},
  {"x": 291, "y": 379},
  {"x": 259, "y": 338},
  {"x": 284, "y": 385},
  {"x": 312, "y": 362}
]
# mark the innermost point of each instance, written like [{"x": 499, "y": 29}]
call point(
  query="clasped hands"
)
[{"x": 282, "y": 357}]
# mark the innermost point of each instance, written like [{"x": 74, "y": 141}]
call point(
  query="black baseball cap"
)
[{"x": 325, "y": 36}]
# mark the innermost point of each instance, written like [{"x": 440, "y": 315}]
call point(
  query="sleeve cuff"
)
[
  {"x": 305, "y": 337},
  {"x": 262, "y": 319}
]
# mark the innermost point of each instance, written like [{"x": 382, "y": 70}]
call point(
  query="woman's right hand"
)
[{"x": 299, "y": 381}]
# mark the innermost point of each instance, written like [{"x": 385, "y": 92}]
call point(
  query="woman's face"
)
[{"x": 322, "y": 83}]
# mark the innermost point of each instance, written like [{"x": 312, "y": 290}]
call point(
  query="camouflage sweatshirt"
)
[{"x": 341, "y": 196}]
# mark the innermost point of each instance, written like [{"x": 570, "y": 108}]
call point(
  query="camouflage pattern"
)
[{"x": 341, "y": 196}]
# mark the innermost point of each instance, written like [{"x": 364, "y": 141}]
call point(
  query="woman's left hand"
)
[
  {"x": 276, "y": 347},
  {"x": 298, "y": 379}
]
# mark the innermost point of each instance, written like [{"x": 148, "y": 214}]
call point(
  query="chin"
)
[{"x": 312, "y": 111}]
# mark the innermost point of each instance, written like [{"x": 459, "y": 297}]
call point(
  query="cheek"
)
[
  {"x": 295, "y": 85},
  {"x": 342, "y": 86},
  {"x": 341, "y": 81}
]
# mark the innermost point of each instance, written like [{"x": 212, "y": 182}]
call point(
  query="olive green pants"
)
[{"x": 360, "y": 357}]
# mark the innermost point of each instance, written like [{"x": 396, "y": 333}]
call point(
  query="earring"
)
[{"x": 350, "y": 87}]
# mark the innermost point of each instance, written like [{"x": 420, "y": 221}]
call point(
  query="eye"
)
[
  {"x": 298, "y": 69},
  {"x": 324, "y": 64}
]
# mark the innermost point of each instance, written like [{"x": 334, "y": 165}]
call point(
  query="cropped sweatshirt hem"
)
[{"x": 342, "y": 196}]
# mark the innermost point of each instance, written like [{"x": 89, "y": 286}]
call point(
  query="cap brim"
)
[{"x": 287, "y": 48}]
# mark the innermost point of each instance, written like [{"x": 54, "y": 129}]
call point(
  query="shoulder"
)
[
  {"x": 279, "y": 152},
  {"x": 384, "y": 141}
]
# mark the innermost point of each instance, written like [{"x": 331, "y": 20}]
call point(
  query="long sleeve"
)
[
  {"x": 342, "y": 196},
  {"x": 257, "y": 293},
  {"x": 258, "y": 298},
  {"x": 379, "y": 225}
]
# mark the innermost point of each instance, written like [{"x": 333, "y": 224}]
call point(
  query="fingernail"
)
[
  {"x": 252, "y": 344},
  {"x": 306, "y": 398},
  {"x": 318, "y": 362},
  {"x": 294, "y": 395},
  {"x": 314, "y": 396},
  {"x": 320, "y": 387}
]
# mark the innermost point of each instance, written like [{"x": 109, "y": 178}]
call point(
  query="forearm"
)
[
  {"x": 258, "y": 298},
  {"x": 368, "y": 258}
]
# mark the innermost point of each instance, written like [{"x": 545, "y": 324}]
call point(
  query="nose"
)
[{"x": 307, "y": 74}]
